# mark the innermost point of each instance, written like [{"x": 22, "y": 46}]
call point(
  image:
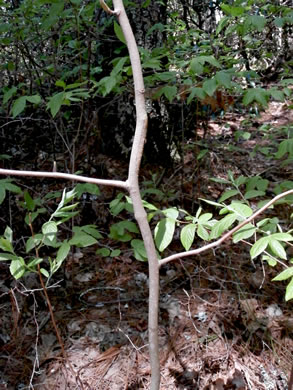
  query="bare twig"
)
[{"x": 65, "y": 176}]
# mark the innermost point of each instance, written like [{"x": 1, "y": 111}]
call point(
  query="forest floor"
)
[{"x": 223, "y": 323}]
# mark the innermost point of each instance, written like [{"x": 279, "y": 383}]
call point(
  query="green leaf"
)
[
  {"x": 285, "y": 146},
  {"x": 271, "y": 261},
  {"x": 233, "y": 11},
  {"x": 29, "y": 202},
  {"x": 196, "y": 66},
  {"x": 18, "y": 106},
  {"x": 242, "y": 210},
  {"x": 210, "y": 86},
  {"x": 33, "y": 242},
  {"x": 8, "y": 234},
  {"x": 55, "y": 103},
  {"x": 92, "y": 230},
  {"x": 35, "y": 99},
  {"x": 284, "y": 275},
  {"x": 277, "y": 248},
  {"x": 257, "y": 22},
  {"x": 17, "y": 268},
  {"x": 63, "y": 252},
  {"x": 187, "y": 235},
  {"x": 44, "y": 272},
  {"x": 228, "y": 194},
  {"x": 60, "y": 83},
  {"x": 212, "y": 203},
  {"x": 6, "y": 245},
  {"x": 289, "y": 291},
  {"x": 202, "y": 233},
  {"x": 164, "y": 232},
  {"x": 90, "y": 188},
  {"x": 105, "y": 252},
  {"x": 2, "y": 193},
  {"x": 171, "y": 213},
  {"x": 222, "y": 24},
  {"x": 8, "y": 94},
  {"x": 244, "y": 233},
  {"x": 170, "y": 92},
  {"x": 259, "y": 95},
  {"x": 211, "y": 60},
  {"x": 119, "y": 33},
  {"x": 81, "y": 239},
  {"x": 49, "y": 230},
  {"x": 224, "y": 78},
  {"x": 282, "y": 236},
  {"x": 222, "y": 225},
  {"x": 253, "y": 194},
  {"x": 277, "y": 95},
  {"x": 7, "y": 256},
  {"x": 259, "y": 246},
  {"x": 204, "y": 218},
  {"x": 262, "y": 184},
  {"x": 119, "y": 66},
  {"x": 115, "y": 253},
  {"x": 196, "y": 92},
  {"x": 139, "y": 250}
]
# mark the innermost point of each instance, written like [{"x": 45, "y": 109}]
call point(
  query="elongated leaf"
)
[
  {"x": 35, "y": 99},
  {"x": 164, "y": 232},
  {"x": 6, "y": 245},
  {"x": 18, "y": 106},
  {"x": 272, "y": 262},
  {"x": 259, "y": 246},
  {"x": 277, "y": 248},
  {"x": 7, "y": 256},
  {"x": 253, "y": 194},
  {"x": 222, "y": 225},
  {"x": 63, "y": 252},
  {"x": 8, "y": 234},
  {"x": 81, "y": 239},
  {"x": 33, "y": 242},
  {"x": 210, "y": 86},
  {"x": 284, "y": 275},
  {"x": 228, "y": 194},
  {"x": 17, "y": 268},
  {"x": 289, "y": 291},
  {"x": 282, "y": 236},
  {"x": 92, "y": 230},
  {"x": 224, "y": 78},
  {"x": 119, "y": 66},
  {"x": 171, "y": 213},
  {"x": 204, "y": 218},
  {"x": 119, "y": 33},
  {"x": 8, "y": 94},
  {"x": 2, "y": 193},
  {"x": 187, "y": 235},
  {"x": 244, "y": 233},
  {"x": 242, "y": 210},
  {"x": 170, "y": 92},
  {"x": 139, "y": 250},
  {"x": 202, "y": 232},
  {"x": 49, "y": 230},
  {"x": 55, "y": 103}
]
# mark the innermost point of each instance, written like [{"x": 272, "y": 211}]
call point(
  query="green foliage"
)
[
  {"x": 7, "y": 185},
  {"x": 83, "y": 236}
]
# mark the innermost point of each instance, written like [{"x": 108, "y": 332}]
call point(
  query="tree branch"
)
[
  {"x": 226, "y": 235},
  {"x": 65, "y": 176}
]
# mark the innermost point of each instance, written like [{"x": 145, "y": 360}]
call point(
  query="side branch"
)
[
  {"x": 226, "y": 235},
  {"x": 66, "y": 176}
]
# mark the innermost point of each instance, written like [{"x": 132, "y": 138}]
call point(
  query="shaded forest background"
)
[{"x": 218, "y": 87}]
